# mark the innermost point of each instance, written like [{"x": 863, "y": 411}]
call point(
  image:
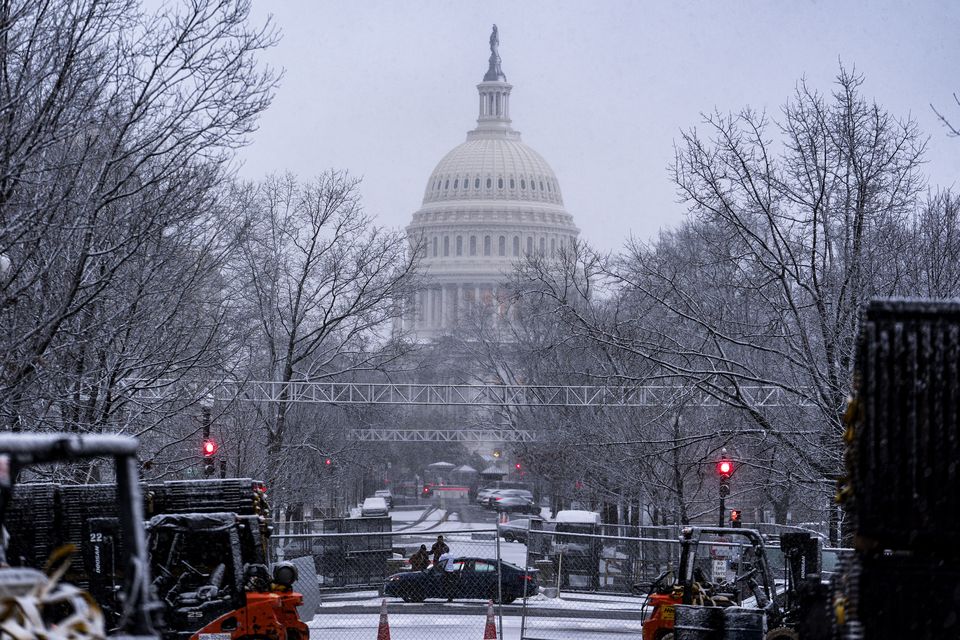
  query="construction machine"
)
[
  {"x": 796, "y": 611},
  {"x": 40, "y": 606},
  {"x": 205, "y": 546}
]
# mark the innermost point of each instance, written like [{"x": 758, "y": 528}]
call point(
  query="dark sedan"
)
[
  {"x": 476, "y": 578},
  {"x": 516, "y": 530}
]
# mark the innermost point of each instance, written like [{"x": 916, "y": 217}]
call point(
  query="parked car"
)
[
  {"x": 499, "y": 494},
  {"x": 516, "y": 530},
  {"x": 374, "y": 506},
  {"x": 476, "y": 579},
  {"x": 484, "y": 494},
  {"x": 386, "y": 495},
  {"x": 514, "y": 504}
]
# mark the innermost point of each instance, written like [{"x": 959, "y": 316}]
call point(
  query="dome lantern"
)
[{"x": 494, "y": 95}]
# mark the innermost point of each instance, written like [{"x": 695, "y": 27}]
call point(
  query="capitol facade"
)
[{"x": 489, "y": 202}]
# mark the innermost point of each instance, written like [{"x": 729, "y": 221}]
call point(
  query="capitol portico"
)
[{"x": 488, "y": 202}]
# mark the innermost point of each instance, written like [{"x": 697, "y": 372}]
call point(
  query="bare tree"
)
[
  {"x": 322, "y": 286},
  {"x": 951, "y": 128},
  {"x": 117, "y": 130}
]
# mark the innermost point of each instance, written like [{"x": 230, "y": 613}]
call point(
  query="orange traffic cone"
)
[
  {"x": 383, "y": 631},
  {"x": 490, "y": 631}
]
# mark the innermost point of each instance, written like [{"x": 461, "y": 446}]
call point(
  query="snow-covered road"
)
[{"x": 427, "y": 627}]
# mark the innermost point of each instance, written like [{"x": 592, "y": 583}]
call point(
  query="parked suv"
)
[
  {"x": 386, "y": 495},
  {"x": 374, "y": 506}
]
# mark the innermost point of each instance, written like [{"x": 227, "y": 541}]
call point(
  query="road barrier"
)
[
  {"x": 581, "y": 584},
  {"x": 361, "y": 574}
]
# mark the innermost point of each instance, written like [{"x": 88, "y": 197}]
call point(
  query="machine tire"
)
[
  {"x": 508, "y": 537},
  {"x": 413, "y": 594},
  {"x": 666, "y": 635},
  {"x": 782, "y": 633}
]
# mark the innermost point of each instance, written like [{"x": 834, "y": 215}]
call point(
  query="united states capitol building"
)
[{"x": 489, "y": 202}]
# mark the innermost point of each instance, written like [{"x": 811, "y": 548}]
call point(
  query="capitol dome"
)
[{"x": 488, "y": 203}]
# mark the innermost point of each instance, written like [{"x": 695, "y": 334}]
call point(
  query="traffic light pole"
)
[{"x": 723, "y": 510}]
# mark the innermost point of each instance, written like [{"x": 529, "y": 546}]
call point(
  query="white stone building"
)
[{"x": 488, "y": 202}]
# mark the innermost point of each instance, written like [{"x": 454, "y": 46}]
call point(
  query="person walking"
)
[
  {"x": 420, "y": 560},
  {"x": 448, "y": 565},
  {"x": 438, "y": 549}
]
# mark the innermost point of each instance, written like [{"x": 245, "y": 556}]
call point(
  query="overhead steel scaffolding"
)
[
  {"x": 442, "y": 435},
  {"x": 491, "y": 395}
]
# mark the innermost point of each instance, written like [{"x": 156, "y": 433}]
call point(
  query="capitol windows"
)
[
  {"x": 455, "y": 184},
  {"x": 489, "y": 183},
  {"x": 541, "y": 185},
  {"x": 459, "y": 245},
  {"x": 436, "y": 244},
  {"x": 473, "y": 245},
  {"x": 516, "y": 246},
  {"x": 523, "y": 184},
  {"x": 499, "y": 183},
  {"x": 553, "y": 246},
  {"x": 502, "y": 246},
  {"x": 513, "y": 185},
  {"x": 530, "y": 246},
  {"x": 476, "y": 183},
  {"x": 446, "y": 185},
  {"x": 486, "y": 245},
  {"x": 543, "y": 246},
  {"x": 446, "y": 246},
  {"x": 549, "y": 190},
  {"x": 533, "y": 185}
]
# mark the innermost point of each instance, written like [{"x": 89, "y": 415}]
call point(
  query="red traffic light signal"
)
[
  {"x": 517, "y": 466},
  {"x": 209, "y": 448},
  {"x": 725, "y": 468},
  {"x": 328, "y": 462}
]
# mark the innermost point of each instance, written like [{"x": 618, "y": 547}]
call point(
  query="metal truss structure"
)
[
  {"x": 492, "y": 434},
  {"x": 491, "y": 395}
]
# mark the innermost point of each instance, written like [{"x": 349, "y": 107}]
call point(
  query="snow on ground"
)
[
  {"x": 406, "y": 515},
  {"x": 454, "y": 627},
  {"x": 566, "y": 601}
]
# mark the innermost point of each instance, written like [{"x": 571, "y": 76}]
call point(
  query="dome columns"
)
[{"x": 494, "y": 106}]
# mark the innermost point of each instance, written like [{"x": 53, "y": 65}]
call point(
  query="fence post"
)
[{"x": 496, "y": 537}]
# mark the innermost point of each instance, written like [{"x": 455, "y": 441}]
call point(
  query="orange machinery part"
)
[
  {"x": 660, "y": 621},
  {"x": 271, "y": 615}
]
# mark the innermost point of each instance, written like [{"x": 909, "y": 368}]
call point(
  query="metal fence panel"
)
[{"x": 360, "y": 572}]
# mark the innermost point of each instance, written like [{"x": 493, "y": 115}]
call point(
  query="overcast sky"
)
[{"x": 601, "y": 89}]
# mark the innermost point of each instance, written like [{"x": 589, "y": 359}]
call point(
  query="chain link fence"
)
[
  {"x": 554, "y": 582},
  {"x": 349, "y": 577}
]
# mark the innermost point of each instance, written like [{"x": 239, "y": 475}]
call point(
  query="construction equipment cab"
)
[
  {"x": 212, "y": 575},
  {"x": 45, "y": 606}
]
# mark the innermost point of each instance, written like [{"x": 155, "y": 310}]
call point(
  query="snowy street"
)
[{"x": 429, "y": 627}]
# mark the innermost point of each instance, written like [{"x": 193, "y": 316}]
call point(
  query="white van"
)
[{"x": 375, "y": 506}]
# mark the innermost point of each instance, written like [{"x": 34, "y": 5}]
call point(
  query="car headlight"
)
[{"x": 393, "y": 578}]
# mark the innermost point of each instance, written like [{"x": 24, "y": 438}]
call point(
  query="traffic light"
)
[
  {"x": 735, "y": 520},
  {"x": 517, "y": 466},
  {"x": 328, "y": 462},
  {"x": 209, "y": 450},
  {"x": 724, "y": 468}
]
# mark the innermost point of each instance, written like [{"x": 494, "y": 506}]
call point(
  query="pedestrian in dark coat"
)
[
  {"x": 421, "y": 559},
  {"x": 438, "y": 549}
]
